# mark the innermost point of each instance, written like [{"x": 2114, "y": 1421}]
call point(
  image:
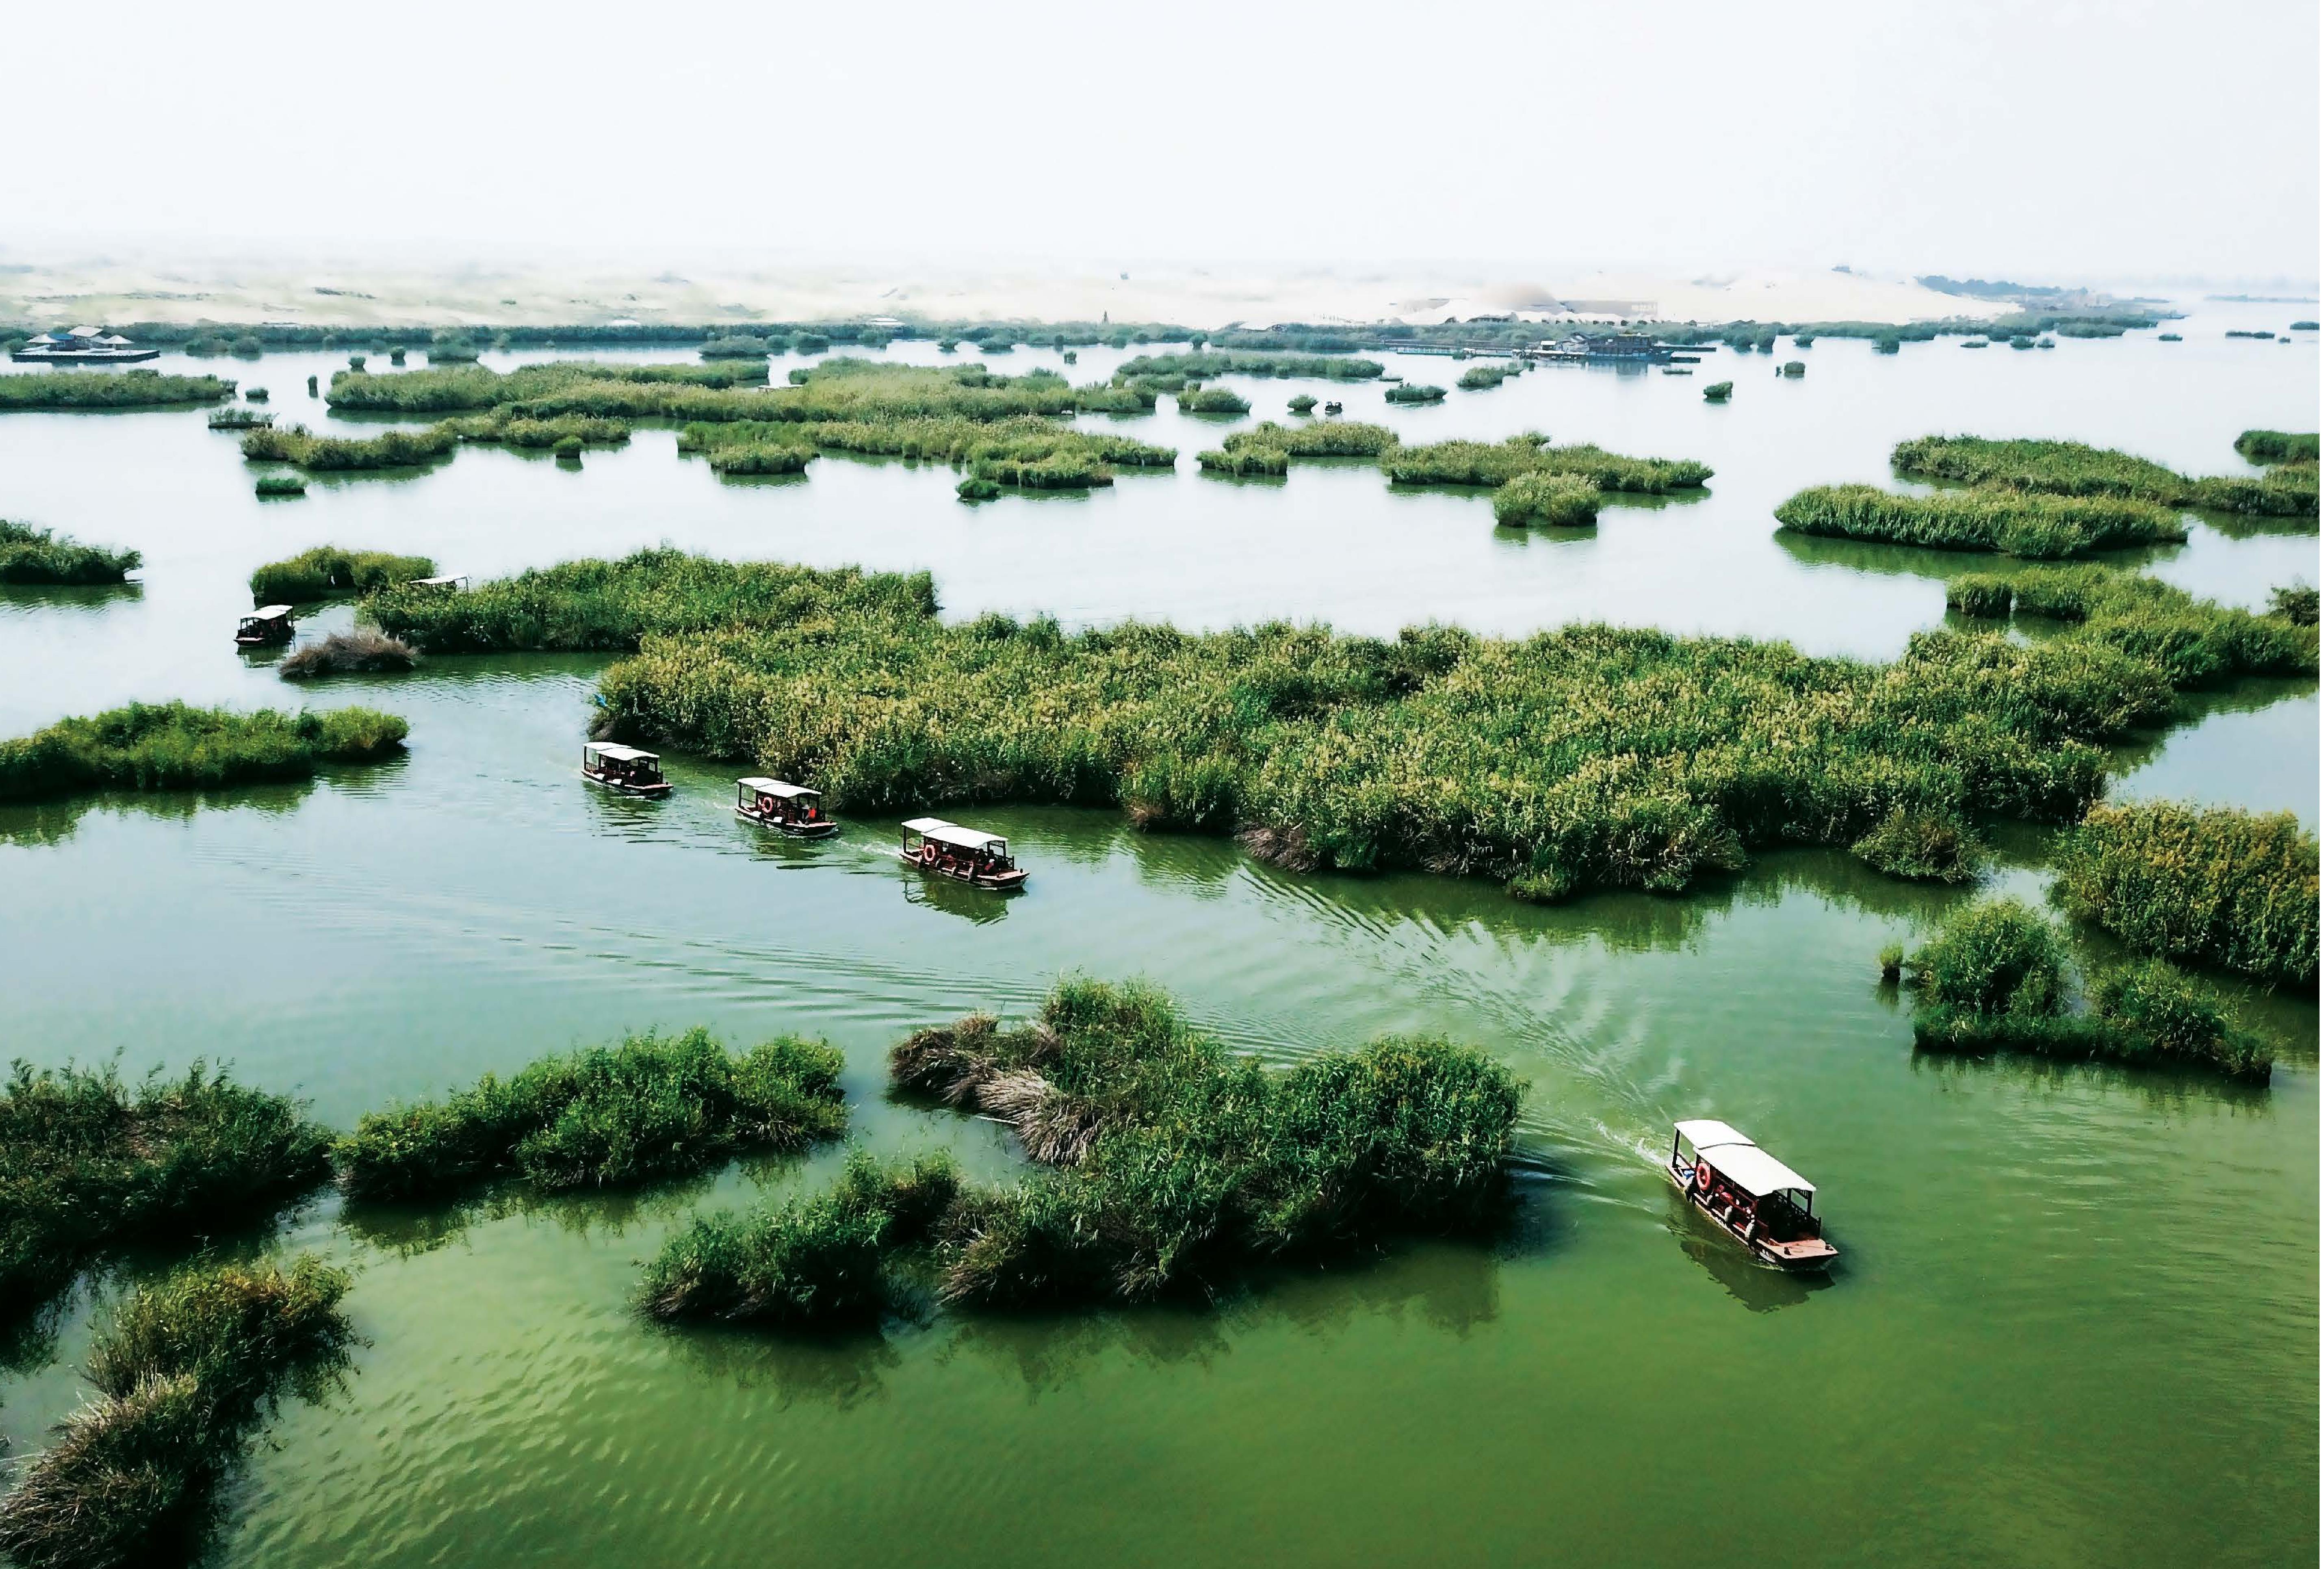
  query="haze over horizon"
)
[{"x": 2072, "y": 143}]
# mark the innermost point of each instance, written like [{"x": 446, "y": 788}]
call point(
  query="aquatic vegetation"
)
[
  {"x": 739, "y": 346},
  {"x": 502, "y": 428},
  {"x": 1171, "y": 1167},
  {"x": 327, "y": 570},
  {"x": 973, "y": 489},
  {"x": 611, "y": 604},
  {"x": 233, "y": 418},
  {"x": 391, "y": 449},
  {"x": 168, "y": 746},
  {"x": 1794, "y": 369},
  {"x": 282, "y": 484},
  {"x": 31, "y": 555},
  {"x": 1251, "y": 458},
  {"x": 568, "y": 449},
  {"x": 652, "y": 1106},
  {"x": 1718, "y": 392},
  {"x": 458, "y": 388},
  {"x": 2070, "y": 468},
  {"x": 2218, "y": 886},
  {"x": 1032, "y": 453},
  {"x": 761, "y": 458},
  {"x": 1414, "y": 393},
  {"x": 2194, "y": 644},
  {"x": 363, "y": 652},
  {"x": 1112, "y": 398},
  {"x": 1924, "y": 846},
  {"x": 1498, "y": 463},
  {"x": 1302, "y": 404},
  {"x": 1212, "y": 401},
  {"x": 816, "y": 1261},
  {"x": 130, "y": 389},
  {"x": 1998, "y": 977},
  {"x": 1485, "y": 378},
  {"x": 185, "y": 1371},
  {"x": 2295, "y": 604},
  {"x": 448, "y": 345},
  {"x": 1988, "y": 517},
  {"x": 1547, "y": 500},
  {"x": 2021, "y": 341},
  {"x": 2277, "y": 446},
  {"x": 1323, "y": 438},
  {"x": 88, "y": 1163},
  {"x": 1223, "y": 363}
]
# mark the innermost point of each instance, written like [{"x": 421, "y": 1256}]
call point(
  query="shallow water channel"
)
[{"x": 2077, "y": 1317}]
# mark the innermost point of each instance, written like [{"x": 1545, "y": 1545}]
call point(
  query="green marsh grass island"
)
[
  {"x": 132, "y": 389},
  {"x": 2212, "y": 886},
  {"x": 1411, "y": 393},
  {"x": 1999, "y": 976},
  {"x": 186, "y": 1370},
  {"x": 1718, "y": 392},
  {"x": 31, "y": 555},
  {"x": 89, "y": 1163},
  {"x": 1989, "y": 518},
  {"x": 2272, "y": 446},
  {"x": 652, "y": 1106},
  {"x": 2295, "y": 603},
  {"x": 363, "y": 652},
  {"x": 1547, "y": 500},
  {"x": 170, "y": 746},
  {"x": 2070, "y": 468},
  {"x": 326, "y": 570},
  {"x": 1163, "y": 1165}
]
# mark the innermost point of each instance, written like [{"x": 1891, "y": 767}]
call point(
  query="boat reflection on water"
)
[
  {"x": 974, "y": 905},
  {"x": 1755, "y": 1286}
]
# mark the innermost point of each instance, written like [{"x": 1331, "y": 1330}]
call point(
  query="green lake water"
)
[{"x": 2076, "y": 1319}]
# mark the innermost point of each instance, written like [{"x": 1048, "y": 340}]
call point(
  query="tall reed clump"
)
[
  {"x": 1924, "y": 845},
  {"x": 2072, "y": 468},
  {"x": 392, "y": 449},
  {"x": 2194, "y": 644},
  {"x": 1169, "y": 1167},
  {"x": 282, "y": 484},
  {"x": 1212, "y": 401},
  {"x": 89, "y": 1163},
  {"x": 585, "y": 605},
  {"x": 137, "y": 389},
  {"x": 1498, "y": 463},
  {"x": 2277, "y": 446},
  {"x": 327, "y": 570},
  {"x": 2218, "y": 886},
  {"x": 31, "y": 555},
  {"x": 1718, "y": 392},
  {"x": 185, "y": 1372},
  {"x": 505, "y": 428},
  {"x": 1251, "y": 458},
  {"x": 1998, "y": 977},
  {"x": 1223, "y": 363},
  {"x": 1485, "y": 378},
  {"x": 1414, "y": 393},
  {"x": 1547, "y": 500},
  {"x": 739, "y": 345},
  {"x": 1024, "y": 451},
  {"x": 1991, "y": 517},
  {"x": 652, "y": 1106},
  {"x": 761, "y": 457},
  {"x": 364, "y": 652},
  {"x": 461, "y": 388},
  {"x": 168, "y": 746},
  {"x": 2295, "y": 603},
  {"x": 1327, "y": 439}
]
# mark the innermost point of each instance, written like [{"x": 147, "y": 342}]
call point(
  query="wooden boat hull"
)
[
  {"x": 623, "y": 787},
  {"x": 823, "y": 830},
  {"x": 1809, "y": 1256},
  {"x": 1000, "y": 883},
  {"x": 261, "y": 641}
]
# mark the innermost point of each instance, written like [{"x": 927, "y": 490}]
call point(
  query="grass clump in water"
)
[
  {"x": 1991, "y": 517},
  {"x": 2295, "y": 604},
  {"x": 1415, "y": 392},
  {"x": 31, "y": 555},
  {"x": 2218, "y": 886},
  {"x": 1323, "y": 438},
  {"x": 1718, "y": 392},
  {"x": 1212, "y": 401},
  {"x": 2072, "y": 468},
  {"x": 316, "y": 454},
  {"x": 2196, "y": 644},
  {"x": 282, "y": 484},
  {"x": 1498, "y": 463},
  {"x": 87, "y": 1163},
  {"x": 186, "y": 1370},
  {"x": 138, "y": 389},
  {"x": 1304, "y": 404},
  {"x": 1998, "y": 977},
  {"x": 973, "y": 489},
  {"x": 1547, "y": 500},
  {"x": 816, "y": 1261},
  {"x": 364, "y": 652},
  {"x": 170, "y": 746},
  {"x": 328, "y": 569},
  {"x": 1223, "y": 363},
  {"x": 761, "y": 457},
  {"x": 647, "y": 1108},
  {"x": 1256, "y": 458},
  {"x": 1485, "y": 378},
  {"x": 1924, "y": 846},
  {"x": 1170, "y": 1167},
  {"x": 2277, "y": 446}
]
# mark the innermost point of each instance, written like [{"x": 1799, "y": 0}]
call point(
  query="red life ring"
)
[{"x": 1702, "y": 1176}]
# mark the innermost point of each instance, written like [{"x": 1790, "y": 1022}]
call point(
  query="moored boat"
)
[
  {"x": 1749, "y": 1195},
  {"x": 626, "y": 768},
  {"x": 969, "y": 855},
  {"x": 266, "y": 625},
  {"x": 786, "y": 808}
]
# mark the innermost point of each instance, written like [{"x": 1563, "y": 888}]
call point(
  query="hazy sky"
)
[{"x": 2060, "y": 141}]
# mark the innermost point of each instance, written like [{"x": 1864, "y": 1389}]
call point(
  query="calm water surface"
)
[{"x": 2077, "y": 1320}]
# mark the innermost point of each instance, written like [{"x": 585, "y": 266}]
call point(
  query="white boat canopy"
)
[
  {"x": 617, "y": 751},
  {"x": 1741, "y": 1162},
  {"x": 269, "y": 613},
  {"x": 449, "y": 580},
  {"x": 944, "y": 833},
  {"x": 775, "y": 787}
]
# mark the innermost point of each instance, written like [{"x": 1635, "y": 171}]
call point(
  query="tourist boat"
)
[
  {"x": 786, "y": 808},
  {"x": 1332, "y": 408},
  {"x": 1753, "y": 1197},
  {"x": 623, "y": 768},
  {"x": 453, "y": 582},
  {"x": 269, "y": 623},
  {"x": 967, "y": 855},
  {"x": 82, "y": 345}
]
